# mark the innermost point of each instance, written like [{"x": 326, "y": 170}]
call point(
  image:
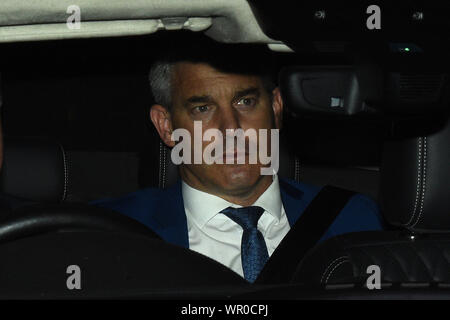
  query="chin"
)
[{"x": 240, "y": 176}]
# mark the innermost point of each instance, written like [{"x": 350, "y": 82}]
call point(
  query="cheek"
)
[
  {"x": 180, "y": 120},
  {"x": 264, "y": 116},
  {"x": 259, "y": 121}
]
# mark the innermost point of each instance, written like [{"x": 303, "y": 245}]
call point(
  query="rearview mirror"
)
[
  {"x": 331, "y": 90},
  {"x": 364, "y": 89}
]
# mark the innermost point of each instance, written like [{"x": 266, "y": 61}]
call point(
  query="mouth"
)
[{"x": 232, "y": 156}]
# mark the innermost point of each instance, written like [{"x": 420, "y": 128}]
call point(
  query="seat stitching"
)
[
  {"x": 65, "y": 172},
  {"x": 424, "y": 176},
  {"x": 419, "y": 178},
  {"x": 340, "y": 263},
  {"x": 329, "y": 265}
]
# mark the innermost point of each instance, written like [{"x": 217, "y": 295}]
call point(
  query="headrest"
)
[
  {"x": 415, "y": 182},
  {"x": 34, "y": 169},
  {"x": 168, "y": 172}
]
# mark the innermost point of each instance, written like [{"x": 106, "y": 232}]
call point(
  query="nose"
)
[{"x": 229, "y": 119}]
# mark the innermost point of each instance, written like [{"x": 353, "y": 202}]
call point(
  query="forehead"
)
[{"x": 201, "y": 79}]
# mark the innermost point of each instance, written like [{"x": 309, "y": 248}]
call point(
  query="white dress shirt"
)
[{"x": 213, "y": 234}]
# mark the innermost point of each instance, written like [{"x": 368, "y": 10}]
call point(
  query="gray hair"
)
[{"x": 160, "y": 77}]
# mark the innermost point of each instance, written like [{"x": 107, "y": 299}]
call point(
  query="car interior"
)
[{"x": 365, "y": 110}]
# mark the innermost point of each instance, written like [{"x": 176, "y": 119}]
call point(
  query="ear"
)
[
  {"x": 277, "y": 106},
  {"x": 163, "y": 123}
]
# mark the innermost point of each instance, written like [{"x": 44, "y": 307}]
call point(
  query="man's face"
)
[{"x": 221, "y": 101}]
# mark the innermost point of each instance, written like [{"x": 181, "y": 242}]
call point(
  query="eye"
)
[
  {"x": 247, "y": 102},
  {"x": 200, "y": 109}
]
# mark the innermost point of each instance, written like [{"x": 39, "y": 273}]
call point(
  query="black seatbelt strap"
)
[{"x": 306, "y": 232}]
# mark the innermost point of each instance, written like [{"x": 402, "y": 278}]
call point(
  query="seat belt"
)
[{"x": 304, "y": 235}]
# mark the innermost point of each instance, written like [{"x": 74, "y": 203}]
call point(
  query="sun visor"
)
[{"x": 229, "y": 21}]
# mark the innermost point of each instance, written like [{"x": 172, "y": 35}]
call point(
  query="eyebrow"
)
[
  {"x": 246, "y": 92},
  {"x": 199, "y": 99},
  {"x": 209, "y": 99}
]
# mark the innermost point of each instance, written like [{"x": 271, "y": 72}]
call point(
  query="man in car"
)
[{"x": 228, "y": 212}]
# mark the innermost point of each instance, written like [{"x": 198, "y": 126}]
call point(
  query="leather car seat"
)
[
  {"x": 415, "y": 184},
  {"x": 34, "y": 170}
]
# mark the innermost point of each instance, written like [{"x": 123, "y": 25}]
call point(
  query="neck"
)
[{"x": 244, "y": 197}]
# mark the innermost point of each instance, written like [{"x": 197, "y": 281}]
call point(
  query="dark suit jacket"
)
[{"x": 162, "y": 210}]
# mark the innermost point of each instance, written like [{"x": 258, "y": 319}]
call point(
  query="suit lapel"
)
[{"x": 171, "y": 217}]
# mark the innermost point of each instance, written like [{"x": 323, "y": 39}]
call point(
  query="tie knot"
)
[{"x": 246, "y": 217}]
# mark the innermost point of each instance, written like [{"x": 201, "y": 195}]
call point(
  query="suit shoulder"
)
[
  {"x": 361, "y": 213},
  {"x": 299, "y": 189},
  {"x": 364, "y": 203},
  {"x": 299, "y": 184}
]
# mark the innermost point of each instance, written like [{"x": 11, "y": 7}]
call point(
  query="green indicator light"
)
[{"x": 406, "y": 49}]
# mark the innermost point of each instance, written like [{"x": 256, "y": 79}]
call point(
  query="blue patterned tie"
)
[{"x": 254, "y": 253}]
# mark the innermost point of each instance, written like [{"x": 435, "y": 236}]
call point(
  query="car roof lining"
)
[{"x": 230, "y": 21}]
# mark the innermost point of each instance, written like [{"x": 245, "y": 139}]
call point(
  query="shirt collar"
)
[
  {"x": 270, "y": 200},
  {"x": 203, "y": 206}
]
